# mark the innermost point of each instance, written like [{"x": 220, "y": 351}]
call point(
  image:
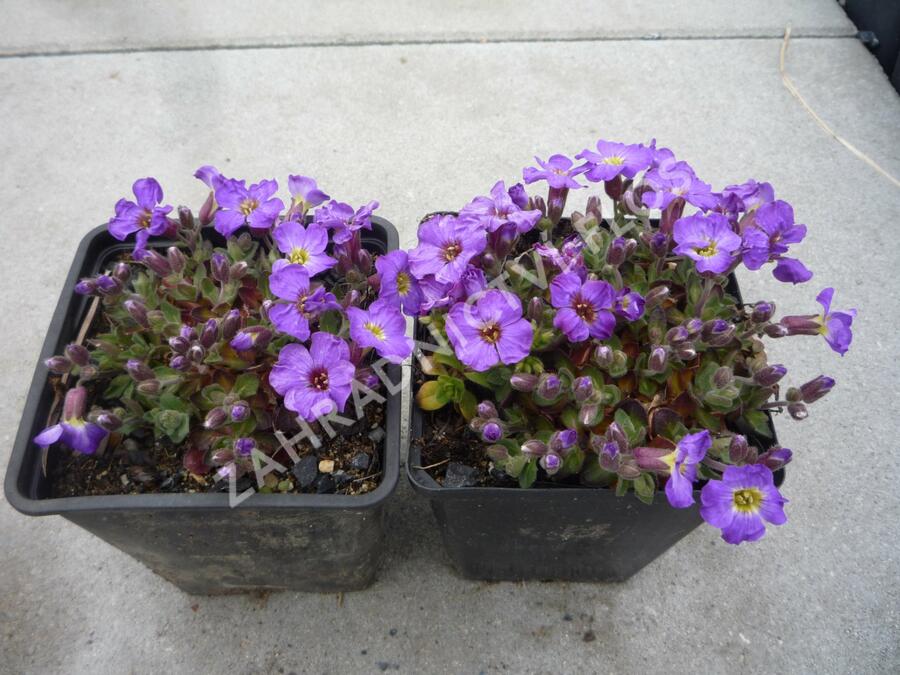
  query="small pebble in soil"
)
[
  {"x": 360, "y": 461},
  {"x": 306, "y": 470},
  {"x": 326, "y": 466},
  {"x": 392, "y": 632},
  {"x": 341, "y": 478},
  {"x": 589, "y": 636},
  {"x": 460, "y": 475},
  {"x": 567, "y": 617},
  {"x": 325, "y": 484}
]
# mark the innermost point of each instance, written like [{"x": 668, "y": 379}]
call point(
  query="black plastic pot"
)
[
  {"x": 559, "y": 533},
  {"x": 300, "y": 542}
]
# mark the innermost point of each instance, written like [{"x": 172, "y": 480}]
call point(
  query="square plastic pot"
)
[{"x": 301, "y": 542}]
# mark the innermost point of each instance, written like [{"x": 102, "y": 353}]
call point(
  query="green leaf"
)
[
  {"x": 645, "y": 487},
  {"x": 331, "y": 322},
  {"x": 573, "y": 462},
  {"x": 759, "y": 421},
  {"x": 168, "y": 401},
  {"x": 431, "y": 396},
  {"x": 172, "y": 423},
  {"x": 481, "y": 379},
  {"x": 622, "y": 487},
  {"x": 246, "y": 385},
  {"x": 529, "y": 474},
  {"x": 453, "y": 387},
  {"x": 118, "y": 387},
  {"x": 468, "y": 405},
  {"x": 209, "y": 291},
  {"x": 170, "y": 312},
  {"x": 595, "y": 475}
]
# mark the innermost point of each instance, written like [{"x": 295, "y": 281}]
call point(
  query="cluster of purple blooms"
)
[{"x": 460, "y": 278}]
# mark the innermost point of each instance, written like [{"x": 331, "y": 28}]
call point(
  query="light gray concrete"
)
[
  {"x": 49, "y": 26},
  {"x": 422, "y": 128}
]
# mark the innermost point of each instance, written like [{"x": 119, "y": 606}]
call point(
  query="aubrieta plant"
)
[
  {"x": 610, "y": 349},
  {"x": 208, "y": 350}
]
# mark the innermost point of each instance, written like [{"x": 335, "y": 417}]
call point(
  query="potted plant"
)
[
  {"x": 592, "y": 388},
  {"x": 217, "y": 398}
]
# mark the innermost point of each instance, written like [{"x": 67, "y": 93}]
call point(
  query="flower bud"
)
[
  {"x": 219, "y": 265},
  {"x": 540, "y": 205},
  {"x": 78, "y": 354},
  {"x": 686, "y": 352},
  {"x": 802, "y": 325},
  {"x": 196, "y": 354},
  {"x": 769, "y": 375},
  {"x": 138, "y": 312},
  {"x": 497, "y": 453},
  {"x": 122, "y": 271},
  {"x": 238, "y": 270},
  {"x": 593, "y": 208},
  {"x": 775, "y": 330},
  {"x": 244, "y": 447},
  {"x": 86, "y": 287},
  {"x": 476, "y": 424},
  {"x": 563, "y": 441},
  {"x": 207, "y": 210},
  {"x": 523, "y": 382},
  {"x": 722, "y": 377},
  {"x": 179, "y": 345},
  {"x": 188, "y": 333},
  {"x": 549, "y": 386},
  {"x": 185, "y": 218},
  {"x": 659, "y": 359},
  {"x": 253, "y": 337},
  {"x": 231, "y": 324},
  {"x": 630, "y": 247},
  {"x": 615, "y": 435},
  {"x": 58, "y": 365},
  {"x": 590, "y": 414},
  {"x": 492, "y": 432},
  {"x": 364, "y": 260},
  {"x": 109, "y": 421},
  {"x": 75, "y": 403},
  {"x": 88, "y": 372},
  {"x": 209, "y": 334},
  {"x": 148, "y": 387},
  {"x": 109, "y": 286},
  {"x": 240, "y": 411},
  {"x": 775, "y": 458},
  {"x": 351, "y": 299},
  {"x": 677, "y": 335},
  {"x": 534, "y": 448},
  {"x": 583, "y": 388},
  {"x": 551, "y": 463},
  {"x": 615, "y": 254},
  {"x": 159, "y": 265},
  {"x": 762, "y": 312},
  {"x": 798, "y": 411},
  {"x": 215, "y": 418},
  {"x": 536, "y": 308},
  {"x": 179, "y": 362},
  {"x": 814, "y": 389},
  {"x": 486, "y": 410},
  {"x": 603, "y": 356},
  {"x": 138, "y": 370},
  {"x": 175, "y": 258},
  {"x": 738, "y": 449},
  {"x": 656, "y": 296}
]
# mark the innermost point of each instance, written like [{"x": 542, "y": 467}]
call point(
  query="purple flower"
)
[
  {"x": 740, "y": 502},
  {"x": 144, "y": 217},
  {"x": 397, "y": 284},
  {"x": 344, "y": 221},
  {"x": 239, "y": 205},
  {"x": 568, "y": 257},
  {"x": 446, "y": 245},
  {"x": 492, "y": 432},
  {"x": 383, "y": 327},
  {"x": 317, "y": 381},
  {"x": 304, "y": 246},
  {"x": 489, "y": 331},
  {"x": 290, "y": 283},
  {"x": 305, "y": 190},
  {"x": 745, "y": 197},
  {"x": 791, "y": 271},
  {"x": 835, "y": 326},
  {"x": 629, "y": 304},
  {"x": 499, "y": 210},
  {"x": 210, "y": 176},
  {"x": 613, "y": 159},
  {"x": 244, "y": 447},
  {"x": 584, "y": 308},
  {"x": 73, "y": 430},
  {"x": 683, "y": 468},
  {"x": 557, "y": 171},
  {"x": 766, "y": 238},
  {"x": 469, "y": 284},
  {"x": 708, "y": 240},
  {"x": 670, "y": 180}
]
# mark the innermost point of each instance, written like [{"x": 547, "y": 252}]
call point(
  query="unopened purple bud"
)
[
  {"x": 583, "y": 389},
  {"x": 551, "y": 463},
  {"x": 109, "y": 286},
  {"x": 175, "y": 258},
  {"x": 139, "y": 370},
  {"x": 769, "y": 375},
  {"x": 738, "y": 449},
  {"x": 86, "y": 287},
  {"x": 240, "y": 411},
  {"x": 148, "y": 387},
  {"x": 656, "y": 296},
  {"x": 122, "y": 271},
  {"x": 215, "y": 418},
  {"x": 159, "y": 265},
  {"x": 492, "y": 432},
  {"x": 762, "y": 312},
  {"x": 196, "y": 354},
  {"x": 58, "y": 365},
  {"x": 254, "y": 336},
  {"x": 686, "y": 352},
  {"x": 179, "y": 362},
  {"x": 209, "y": 334},
  {"x": 776, "y": 330},
  {"x": 188, "y": 333},
  {"x": 219, "y": 266},
  {"x": 694, "y": 327},
  {"x": 615, "y": 254},
  {"x": 536, "y": 308},
  {"x": 364, "y": 260},
  {"x": 604, "y": 356},
  {"x": 549, "y": 386},
  {"x": 562, "y": 441},
  {"x": 238, "y": 270},
  {"x": 659, "y": 245},
  {"x": 222, "y": 456},
  {"x": 488, "y": 260},
  {"x": 590, "y": 414},
  {"x": 615, "y": 435},
  {"x": 185, "y": 218},
  {"x": 630, "y": 247},
  {"x": 207, "y": 210},
  {"x": 524, "y": 382},
  {"x": 88, "y": 372},
  {"x": 231, "y": 324},
  {"x": 815, "y": 389},
  {"x": 659, "y": 359},
  {"x": 487, "y": 410},
  {"x": 244, "y": 447},
  {"x": 75, "y": 403},
  {"x": 798, "y": 411},
  {"x": 722, "y": 377},
  {"x": 594, "y": 208},
  {"x": 718, "y": 333},
  {"x": 109, "y": 421},
  {"x": 179, "y": 345},
  {"x": 801, "y": 325},
  {"x": 138, "y": 311},
  {"x": 78, "y": 354},
  {"x": 775, "y": 458},
  {"x": 351, "y": 299},
  {"x": 534, "y": 448},
  {"x": 476, "y": 424},
  {"x": 677, "y": 335}
]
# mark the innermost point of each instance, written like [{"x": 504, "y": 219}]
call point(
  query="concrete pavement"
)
[{"x": 422, "y": 127}]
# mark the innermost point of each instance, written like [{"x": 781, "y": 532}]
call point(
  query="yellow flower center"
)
[
  {"x": 299, "y": 256},
  {"x": 490, "y": 333},
  {"x": 452, "y": 250},
  {"x": 707, "y": 251},
  {"x": 375, "y": 330},
  {"x": 144, "y": 220},
  {"x": 248, "y": 206},
  {"x": 747, "y": 500},
  {"x": 403, "y": 283},
  {"x": 615, "y": 161}
]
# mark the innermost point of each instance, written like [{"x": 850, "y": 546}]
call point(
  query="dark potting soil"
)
[{"x": 132, "y": 467}]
